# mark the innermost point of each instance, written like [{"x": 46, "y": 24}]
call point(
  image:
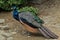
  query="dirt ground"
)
[{"x": 49, "y": 13}]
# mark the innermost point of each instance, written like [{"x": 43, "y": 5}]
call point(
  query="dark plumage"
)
[
  {"x": 28, "y": 19},
  {"x": 15, "y": 14}
]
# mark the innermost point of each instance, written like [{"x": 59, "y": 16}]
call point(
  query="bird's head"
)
[
  {"x": 14, "y": 7},
  {"x": 15, "y": 12}
]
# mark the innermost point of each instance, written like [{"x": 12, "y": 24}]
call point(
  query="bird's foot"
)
[{"x": 26, "y": 33}]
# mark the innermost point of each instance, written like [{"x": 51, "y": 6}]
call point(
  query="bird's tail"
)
[{"x": 47, "y": 33}]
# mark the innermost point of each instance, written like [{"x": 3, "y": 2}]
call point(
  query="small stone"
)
[
  {"x": 29, "y": 36},
  {"x": 13, "y": 33},
  {"x": 6, "y": 27},
  {"x": 1, "y": 32},
  {"x": 8, "y": 34},
  {"x": 10, "y": 38},
  {"x": 2, "y": 37},
  {"x": 2, "y": 21}
]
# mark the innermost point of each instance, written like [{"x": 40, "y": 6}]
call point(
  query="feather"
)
[
  {"x": 33, "y": 22},
  {"x": 28, "y": 18},
  {"x": 44, "y": 30}
]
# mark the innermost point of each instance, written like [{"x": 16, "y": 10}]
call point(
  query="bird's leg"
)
[{"x": 26, "y": 33}]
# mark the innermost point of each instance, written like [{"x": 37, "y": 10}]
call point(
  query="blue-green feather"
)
[{"x": 15, "y": 14}]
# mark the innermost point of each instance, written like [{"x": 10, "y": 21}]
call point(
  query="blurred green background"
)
[{"x": 7, "y": 4}]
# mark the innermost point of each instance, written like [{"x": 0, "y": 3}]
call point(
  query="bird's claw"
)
[{"x": 26, "y": 33}]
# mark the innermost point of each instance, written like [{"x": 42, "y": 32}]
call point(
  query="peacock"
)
[{"x": 32, "y": 23}]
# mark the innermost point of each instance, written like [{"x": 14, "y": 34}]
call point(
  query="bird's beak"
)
[{"x": 11, "y": 8}]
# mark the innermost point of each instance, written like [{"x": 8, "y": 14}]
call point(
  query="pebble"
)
[
  {"x": 13, "y": 33},
  {"x": 28, "y": 36},
  {"x": 2, "y": 21},
  {"x": 8, "y": 34},
  {"x": 2, "y": 37},
  {"x": 10, "y": 38},
  {"x": 6, "y": 27}
]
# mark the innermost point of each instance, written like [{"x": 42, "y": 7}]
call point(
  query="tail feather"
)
[
  {"x": 47, "y": 33},
  {"x": 44, "y": 34},
  {"x": 51, "y": 33}
]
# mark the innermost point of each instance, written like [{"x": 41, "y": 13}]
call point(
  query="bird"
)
[{"x": 32, "y": 23}]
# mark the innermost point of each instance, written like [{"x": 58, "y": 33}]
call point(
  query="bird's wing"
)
[
  {"x": 29, "y": 19},
  {"x": 36, "y": 18}
]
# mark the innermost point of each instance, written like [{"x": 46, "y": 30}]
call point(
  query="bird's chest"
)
[{"x": 15, "y": 15}]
